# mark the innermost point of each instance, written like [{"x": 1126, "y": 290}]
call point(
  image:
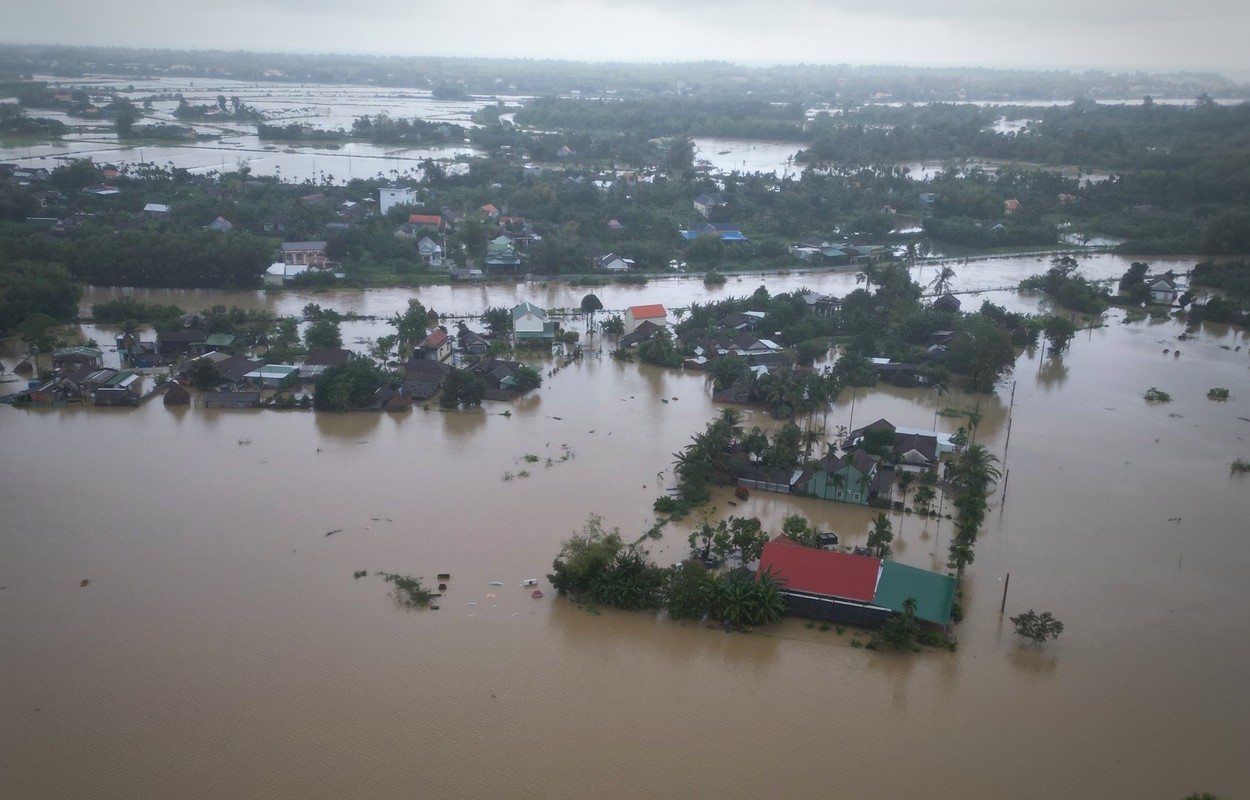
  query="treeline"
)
[
  {"x": 669, "y": 116},
  {"x": 837, "y": 84},
  {"x": 29, "y": 287},
  {"x": 148, "y": 258}
]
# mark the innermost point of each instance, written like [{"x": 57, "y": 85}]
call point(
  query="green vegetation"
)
[
  {"x": 1063, "y": 284},
  {"x": 595, "y": 565},
  {"x": 350, "y": 386},
  {"x": 408, "y": 591},
  {"x": 1239, "y": 466},
  {"x": 462, "y": 388},
  {"x": 1154, "y": 395},
  {"x": 1037, "y": 627},
  {"x": 1218, "y": 394},
  {"x": 31, "y": 287}
]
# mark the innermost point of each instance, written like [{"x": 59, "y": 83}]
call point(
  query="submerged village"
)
[
  {"x": 764, "y": 351},
  {"x": 558, "y": 206}
]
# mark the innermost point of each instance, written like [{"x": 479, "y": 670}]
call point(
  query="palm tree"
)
[{"x": 941, "y": 283}]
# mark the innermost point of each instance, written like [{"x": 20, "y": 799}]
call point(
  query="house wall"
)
[
  {"x": 842, "y": 612},
  {"x": 822, "y": 485}
]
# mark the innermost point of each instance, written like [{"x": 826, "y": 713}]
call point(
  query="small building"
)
[
  {"x": 273, "y": 376},
  {"x": 636, "y": 315},
  {"x": 120, "y": 390},
  {"x": 530, "y": 323},
  {"x": 177, "y": 395},
  {"x": 232, "y": 399},
  {"x": 176, "y": 343},
  {"x": 280, "y": 273},
  {"x": 611, "y": 262},
  {"x": 391, "y": 196},
  {"x": 318, "y": 361},
  {"x": 1163, "y": 289},
  {"x": 822, "y": 305},
  {"x": 430, "y": 251},
  {"x": 436, "y": 346},
  {"x": 847, "y": 478},
  {"x": 947, "y": 302},
  {"x": 423, "y": 377},
  {"x": 312, "y": 254},
  {"x": 71, "y": 358},
  {"x": 156, "y": 210},
  {"x": 827, "y": 540},
  {"x": 473, "y": 342},
  {"x": 221, "y": 224},
  {"x": 706, "y": 203},
  {"x": 435, "y": 222}
]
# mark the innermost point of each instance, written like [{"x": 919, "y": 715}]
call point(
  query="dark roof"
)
[
  {"x": 821, "y": 572},
  {"x": 330, "y": 357},
  {"x": 927, "y": 446},
  {"x": 947, "y": 301},
  {"x": 188, "y": 336}
]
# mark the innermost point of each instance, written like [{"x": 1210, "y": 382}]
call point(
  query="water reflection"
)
[{"x": 1052, "y": 373}]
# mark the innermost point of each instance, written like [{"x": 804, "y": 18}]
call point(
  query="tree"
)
[
  {"x": 527, "y": 378},
  {"x": 881, "y": 535},
  {"x": 323, "y": 335},
  {"x": 583, "y": 556},
  {"x": 591, "y": 304},
  {"x": 410, "y": 326},
  {"x": 899, "y": 631},
  {"x": 498, "y": 321},
  {"x": 1037, "y": 627},
  {"x": 1059, "y": 331},
  {"x": 689, "y": 591},
  {"x": 798, "y": 528},
  {"x": 348, "y": 386},
  {"x": 205, "y": 375},
  {"x": 462, "y": 388},
  {"x": 38, "y": 331}
]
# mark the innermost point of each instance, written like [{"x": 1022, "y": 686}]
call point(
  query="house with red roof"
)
[
  {"x": 636, "y": 315},
  {"x": 436, "y": 346},
  {"x": 854, "y": 590}
]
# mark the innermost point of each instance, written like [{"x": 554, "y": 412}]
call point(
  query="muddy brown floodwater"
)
[{"x": 222, "y": 648}]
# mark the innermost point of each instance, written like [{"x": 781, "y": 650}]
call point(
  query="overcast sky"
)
[{"x": 1206, "y": 35}]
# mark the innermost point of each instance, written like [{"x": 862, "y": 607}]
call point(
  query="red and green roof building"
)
[{"x": 855, "y": 590}]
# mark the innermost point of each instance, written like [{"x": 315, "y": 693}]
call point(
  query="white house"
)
[
  {"x": 636, "y": 315},
  {"x": 1163, "y": 290},
  {"x": 530, "y": 322},
  {"x": 430, "y": 251},
  {"x": 391, "y": 196},
  {"x": 614, "y": 263},
  {"x": 281, "y": 272}
]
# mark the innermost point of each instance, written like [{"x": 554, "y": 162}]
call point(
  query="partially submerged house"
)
[
  {"x": 849, "y": 478},
  {"x": 636, "y": 315},
  {"x": 530, "y": 324},
  {"x": 854, "y": 590}
]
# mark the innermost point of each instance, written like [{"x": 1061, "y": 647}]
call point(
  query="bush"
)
[
  {"x": 1219, "y": 394},
  {"x": 1154, "y": 395}
]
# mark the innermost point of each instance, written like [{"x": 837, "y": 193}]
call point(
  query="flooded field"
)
[{"x": 222, "y": 647}]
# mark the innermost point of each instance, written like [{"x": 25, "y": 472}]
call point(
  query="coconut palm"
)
[{"x": 941, "y": 283}]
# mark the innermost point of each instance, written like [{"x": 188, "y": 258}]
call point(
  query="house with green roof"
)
[
  {"x": 501, "y": 255},
  {"x": 530, "y": 324}
]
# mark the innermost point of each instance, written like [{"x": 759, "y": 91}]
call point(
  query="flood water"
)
[{"x": 223, "y": 649}]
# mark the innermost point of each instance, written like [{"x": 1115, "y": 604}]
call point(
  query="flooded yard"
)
[{"x": 222, "y": 647}]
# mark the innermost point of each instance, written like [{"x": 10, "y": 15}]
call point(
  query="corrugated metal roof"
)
[
  {"x": 806, "y": 569},
  {"x": 934, "y": 593}
]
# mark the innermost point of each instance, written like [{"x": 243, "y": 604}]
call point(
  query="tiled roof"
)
[{"x": 653, "y": 311}]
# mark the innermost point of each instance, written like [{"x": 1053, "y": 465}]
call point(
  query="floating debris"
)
[
  {"x": 444, "y": 576},
  {"x": 536, "y": 594},
  {"x": 84, "y": 583},
  {"x": 530, "y": 582},
  {"x": 496, "y": 583},
  {"x": 336, "y": 530}
]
